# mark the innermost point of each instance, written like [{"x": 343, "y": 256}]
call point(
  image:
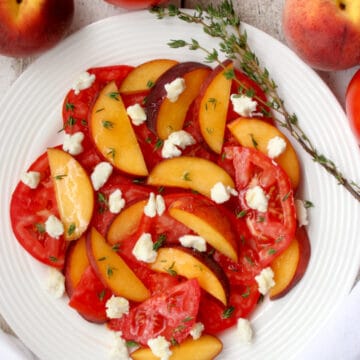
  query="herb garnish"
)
[{"x": 222, "y": 22}]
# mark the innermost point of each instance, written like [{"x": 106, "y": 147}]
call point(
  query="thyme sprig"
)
[{"x": 223, "y": 23}]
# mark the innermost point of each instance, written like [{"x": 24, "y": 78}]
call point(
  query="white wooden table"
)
[{"x": 264, "y": 14}]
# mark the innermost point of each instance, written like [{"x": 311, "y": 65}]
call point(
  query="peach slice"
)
[
  {"x": 212, "y": 106},
  {"x": 252, "y": 132},
  {"x": 194, "y": 265},
  {"x": 290, "y": 266},
  {"x": 112, "y": 132},
  {"x": 74, "y": 193},
  {"x": 208, "y": 221},
  {"x": 207, "y": 347},
  {"x": 189, "y": 173},
  {"x": 126, "y": 223},
  {"x": 145, "y": 75},
  {"x": 76, "y": 263},
  {"x": 112, "y": 269},
  {"x": 165, "y": 116}
]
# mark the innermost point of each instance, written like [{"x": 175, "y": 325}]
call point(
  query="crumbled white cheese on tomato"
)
[
  {"x": 119, "y": 350},
  {"x": 137, "y": 114},
  {"x": 55, "y": 283},
  {"x": 154, "y": 206},
  {"x": 116, "y": 201},
  {"x": 244, "y": 331},
  {"x": 144, "y": 249},
  {"x": 72, "y": 143},
  {"x": 160, "y": 347},
  {"x": 116, "y": 307},
  {"x": 175, "y": 88},
  {"x": 276, "y": 146},
  {"x": 243, "y": 105},
  {"x": 31, "y": 179},
  {"x": 101, "y": 174},
  {"x": 84, "y": 81},
  {"x": 220, "y": 193},
  {"x": 265, "y": 280},
  {"x": 54, "y": 227},
  {"x": 177, "y": 141},
  {"x": 301, "y": 213},
  {"x": 197, "y": 330},
  {"x": 193, "y": 241},
  {"x": 257, "y": 199}
]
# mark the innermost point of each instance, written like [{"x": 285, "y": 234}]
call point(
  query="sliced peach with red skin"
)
[
  {"x": 113, "y": 134},
  {"x": 164, "y": 116},
  {"x": 126, "y": 223},
  {"x": 253, "y": 132},
  {"x": 207, "y": 220},
  {"x": 189, "y": 172},
  {"x": 207, "y": 347},
  {"x": 144, "y": 76},
  {"x": 290, "y": 266},
  {"x": 194, "y": 265},
  {"x": 112, "y": 270},
  {"x": 74, "y": 193},
  {"x": 76, "y": 263},
  {"x": 212, "y": 105}
]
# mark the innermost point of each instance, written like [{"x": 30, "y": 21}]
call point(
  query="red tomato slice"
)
[
  {"x": 90, "y": 296},
  {"x": 274, "y": 229},
  {"x": 29, "y": 210},
  {"x": 171, "y": 314},
  {"x": 216, "y": 317}
]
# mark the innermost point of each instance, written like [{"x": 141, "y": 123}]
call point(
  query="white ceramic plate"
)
[{"x": 31, "y": 116}]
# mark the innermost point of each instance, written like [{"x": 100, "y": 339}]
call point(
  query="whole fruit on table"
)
[
  {"x": 324, "y": 33},
  {"x": 352, "y": 104},
  {"x": 31, "y": 26}
]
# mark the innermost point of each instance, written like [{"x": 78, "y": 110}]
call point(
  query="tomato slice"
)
[
  {"x": 90, "y": 296},
  {"x": 171, "y": 314},
  {"x": 29, "y": 210},
  {"x": 273, "y": 229},
  {"x": 216, "y": 318}
]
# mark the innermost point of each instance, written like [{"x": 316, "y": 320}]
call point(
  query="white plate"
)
[{"x": 31, "y": 116}]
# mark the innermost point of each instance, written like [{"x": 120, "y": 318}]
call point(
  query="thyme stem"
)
[{"x": 222, "y": 22}]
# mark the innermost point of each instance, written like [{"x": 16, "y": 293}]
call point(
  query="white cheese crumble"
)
[
  {"x": 160, "y": 347},
  {"x": 265, "y": 280},
  {"x": 54, "y": 227},
  {"x": 101, "y": 174},
  {"x": 72, "y": 143},
  {"x": 154, "y": 206},
  {"x": 84, "y": 81},
  {"x": 257, "y": 199},
  {"x": 244, "y": 331},
  {"x": 193, "y": 241},
  {"x": 55, "y": 283},
  {"x": 275, "y": 147},
  {"x": 119, "y": 350},
  {"x": 174, "y": 89},
  {"x": 220, "y": 193},
  {"x": 177, "y": 141},
  {"x": 197, "y": 330},
  {"x": 137, "y": 114},
  {"x": 144, "y": 249},
  {"x": 116, "y": 201},
  {"x": 243, "y": 105},
  {"x": 301, "y": 213},
  {"x": 116, "y": 307},
  {"x": 31, "y": 179}
]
